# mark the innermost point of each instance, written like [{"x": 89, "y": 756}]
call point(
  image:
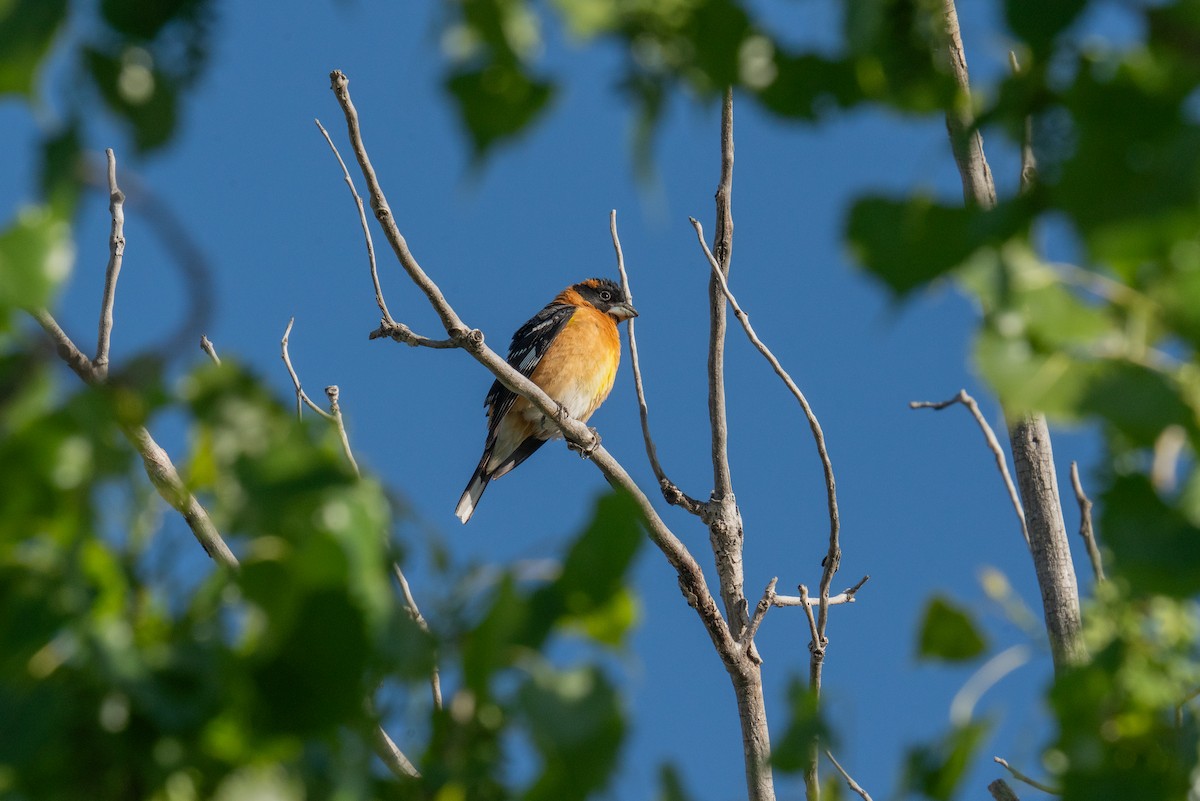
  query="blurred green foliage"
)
[{"x": 115, "y": 682}]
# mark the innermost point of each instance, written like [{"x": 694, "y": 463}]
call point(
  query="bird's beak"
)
[{"x": 622, "y": 311}]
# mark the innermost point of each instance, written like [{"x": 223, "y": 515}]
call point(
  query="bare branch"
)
[
  {"x": 1028, "y": 160},
  {"x": 965, "y": 139},
  {"x": 691, "y": 576},
  {"x": 671, "y": 492},
  {"x": 362, "y": 217},
  {"x": 847, "y": 596},
  {"x": 399, "y": 332},
  {"x": 116, "y": 253},
  {"x": 1021, "y": 777},
  {"x": 206, "y": 345},
  {"x": 302, "y": 398},
  {"x": 1085, "y": 524},
  {"x": 760, "y": 611},
  {"x": 992, "y": 443},
  {"x": 1029, "y": 435},
  {"x": 834, "y": 555},
  {"x": 392, "y": 756},
  {"x": 853, "y": 785},
  {"x": 335, "y": 416},
  {"x": 723, "y": 247},
  {"x": 414, "y": 612},
  {"x": 1001, "y": 791}
]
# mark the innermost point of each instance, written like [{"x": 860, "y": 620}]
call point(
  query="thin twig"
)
[
  {"x": 723, "y": 247},
  {"x": 853, "y": 785},
  {"x": 671, "y": 491},
  {"x": 392, "y": 756},
  {"x": 965, "y": 140},
  {"x": 992, "y": 443},
  {"x": 116, "y": 253},
  {"x": 1001, "y": 791},
  {"x": 335, "y": 416},
  {"x": 206, "y": 345},
  {"x": 691, "y": 576},
  {"x": 1021, "y": 777},
  {"x": 1028, "y": 160},
  {"x": 159, "y": 468},
  {"x": 435, "y": 682},
  {"x": 362, "y": 217},
  {"x": 846, "y": 596},
  {"x": 1085, "y": 524},
  {"x": 302, "y": 398},
  {"x": 760, "y": 611},
  {"x": 834, "y": 554}
]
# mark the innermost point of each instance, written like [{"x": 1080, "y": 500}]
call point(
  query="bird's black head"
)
[{"x": 606, "y": 296}]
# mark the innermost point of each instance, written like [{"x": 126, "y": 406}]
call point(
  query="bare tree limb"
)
[
  {"x": 1029, "y": 436},
  {"x": 335, "y": 415},
  {"x": 992, "y": 443},
  {"x": 1028, "y": 160},
  {"x": 760, "y": 611},
  {"x": 1021, "y": 777},
  {"x": 366, "y": 229},
  {"x": 691, "y": 576},
  {"x": 392, "y": 756},
  {"x": 116, "y": 253},
  {"x": 302, "y": 398},
  {"x": 1085, "y": 524},
  {"x": 853, "y": 785},
  {"x": 435, "y": 681},
  {"x": 723, "y": 247},
  {"x": 834, "y": 555},
  {"x": 159, "y": 468},
  {"x": 671, "y": 492},
  {"x": 1001, "y": 791},
  {"x": 965, "y": 140},
  {"x": 206, "y": 345}
]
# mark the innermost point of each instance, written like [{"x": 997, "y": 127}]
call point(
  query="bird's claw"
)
[{"x": 586, "y": 451}]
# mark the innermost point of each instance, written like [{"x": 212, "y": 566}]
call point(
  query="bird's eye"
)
[{"x": 605, "y": 295}]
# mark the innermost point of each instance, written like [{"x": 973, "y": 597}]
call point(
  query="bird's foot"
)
[{"x": 586, "y": 451}]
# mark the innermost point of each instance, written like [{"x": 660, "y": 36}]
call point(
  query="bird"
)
[{"x": 571, "y": 349}]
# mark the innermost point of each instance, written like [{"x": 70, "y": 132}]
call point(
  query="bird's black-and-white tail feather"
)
[{"x": 475, "y": 487}]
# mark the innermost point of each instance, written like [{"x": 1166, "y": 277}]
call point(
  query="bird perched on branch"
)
[{"x": 570, "y": 349}]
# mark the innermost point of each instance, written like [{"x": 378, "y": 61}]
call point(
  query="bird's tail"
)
[{"x": 474, "y": 490}]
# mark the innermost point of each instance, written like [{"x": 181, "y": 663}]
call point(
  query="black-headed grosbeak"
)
[{"x": 571, "y": 350}]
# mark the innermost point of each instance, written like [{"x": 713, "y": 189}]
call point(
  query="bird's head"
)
[{"x": 606, "y": 296}]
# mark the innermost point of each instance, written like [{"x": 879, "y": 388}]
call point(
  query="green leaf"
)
[
  {"x": 1154, "y": 546},
  {"x": 590, "y": 590},
  {"x": 142, "y": 95},
  {"x": 145, "y": 19},
  {"x": 1027, "y": 380},
  {"x": 27, "y": 30},
  {"x": 1038, "y": 24},
  {"x": 936, "y": 770},
  {"x": 909, "y": 243},
  {"x": 948, "y": 633},
  {"x": 36, "y": 254},
  {"x": 497, "y": 101},
  {"x": 1138, "y": 401},
  {"x": 575, "y": 721},
  {"x": 806, "y": 725},
  {"x": 670, "y": 784}
]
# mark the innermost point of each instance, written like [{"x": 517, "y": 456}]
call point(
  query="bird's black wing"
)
[{"x": 528, "y": 347}]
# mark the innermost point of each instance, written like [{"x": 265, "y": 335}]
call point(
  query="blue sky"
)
[{"x": 923, "y": 509}]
